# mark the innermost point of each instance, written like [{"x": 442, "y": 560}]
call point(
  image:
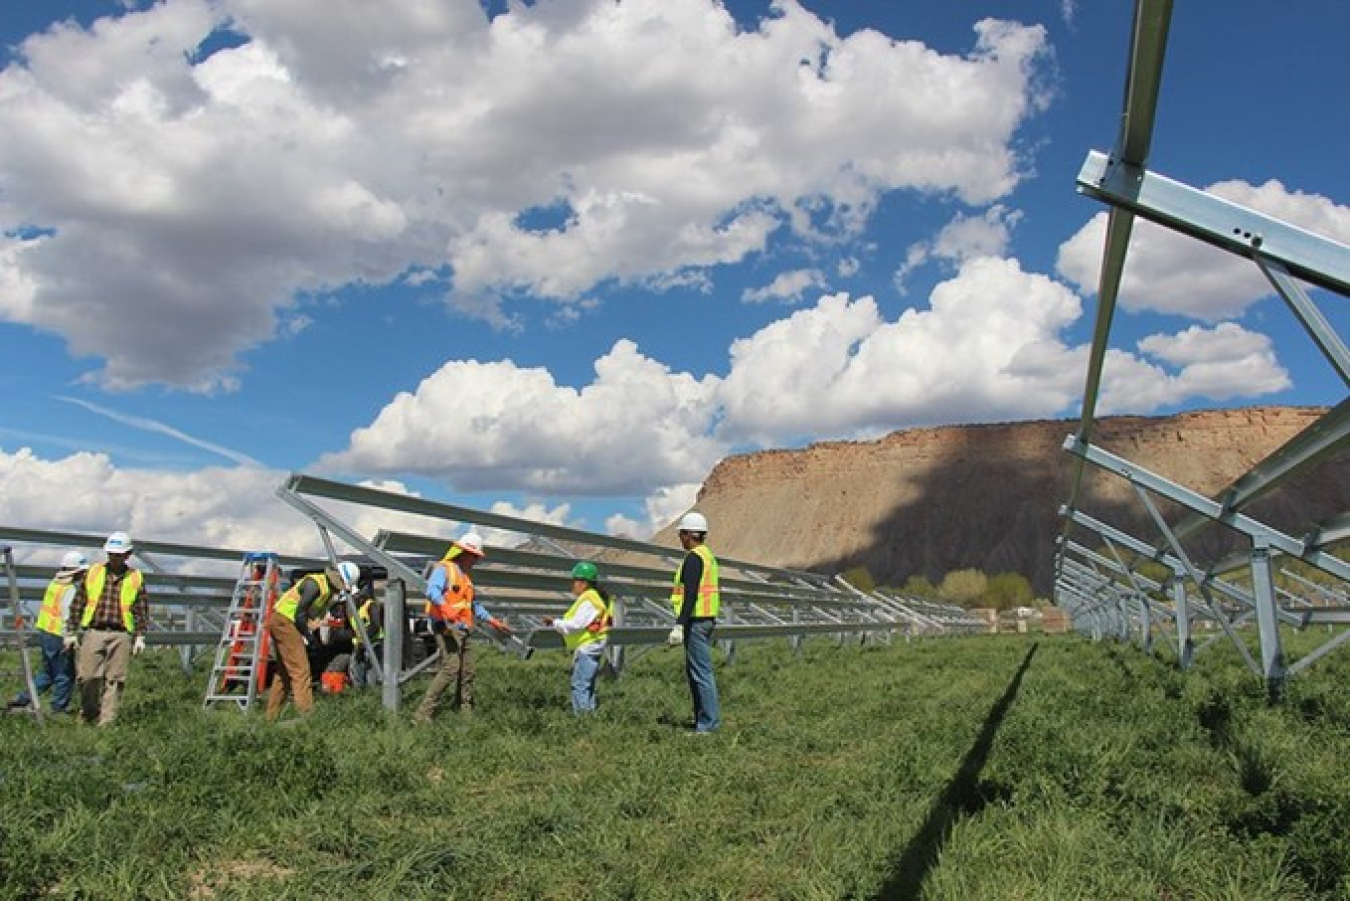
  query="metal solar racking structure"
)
[
  {"x": 525, "y": 577},
  {"x": 1103, "y": 573}
]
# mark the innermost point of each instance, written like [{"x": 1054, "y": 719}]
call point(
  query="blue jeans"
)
[
  {"x": 57, "y": 672},
  {"x": 585, "y": 672},
  {"x": 698, "y": 670}
]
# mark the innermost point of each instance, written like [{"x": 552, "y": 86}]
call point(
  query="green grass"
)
[{"x": 1019, "y": 767}]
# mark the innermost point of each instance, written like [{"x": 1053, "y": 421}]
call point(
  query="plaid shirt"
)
[{"x": 108, "y": 612}]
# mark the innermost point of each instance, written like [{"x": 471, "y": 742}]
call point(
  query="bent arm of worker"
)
[
  {"x": 691, "y": 576},
  {"x": 309, "y": 596},
  {"x": 578, "y": 621},
  {"x": 140, "y": 611},
  {"x": 77, "y": 606},
  {"x": 435, "y": 585},
  {"x": 67, "y": 605},
  {"x": 480, "y": 613}
]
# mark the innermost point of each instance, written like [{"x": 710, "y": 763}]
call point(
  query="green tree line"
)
[{"x": 968, "y": 588}]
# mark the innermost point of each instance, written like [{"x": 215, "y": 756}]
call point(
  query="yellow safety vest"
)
[
  {"x": 363, "y": 613},
  {"x": 288, "y": 605},
  {"x": 50, "y": 618},
  {"x": 598, "y": 630},
  {"x": 709, "y": 597},
  {"x": 93, "y": 590}
]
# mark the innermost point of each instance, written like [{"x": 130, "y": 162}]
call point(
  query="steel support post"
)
[
  {"x": 1182, "y": 606},
  {"x": 21, "y": 634},
  {"x": 391, "y": 691},
  {"x": 619, "y": 612},
  {"x": 1145, "y": 624},
  {"x": 186, "y": 651},
  {"x": 1263, "y": 587}
]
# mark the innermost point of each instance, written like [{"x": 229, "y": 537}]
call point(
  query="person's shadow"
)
[{"x": 963, "y": 796}]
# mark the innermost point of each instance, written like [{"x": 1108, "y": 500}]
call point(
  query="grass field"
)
[{"x": 1017, "y": 767}]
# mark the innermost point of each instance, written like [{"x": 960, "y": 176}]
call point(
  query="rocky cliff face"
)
[{"x": 928, "y": 501}]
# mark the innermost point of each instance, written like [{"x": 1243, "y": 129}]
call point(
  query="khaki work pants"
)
[
  {"x": 293, "y": 676},
  {"x": 456, "y": 670},
  {"x": 101, "y": 671}
]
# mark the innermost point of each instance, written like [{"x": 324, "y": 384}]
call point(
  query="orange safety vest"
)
[
  {"x": 456, "y": 605},
  {"x": 93, "y": 590},
  {"x": 709, "y": 596}
]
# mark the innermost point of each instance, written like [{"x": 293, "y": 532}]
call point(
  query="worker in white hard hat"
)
[
  {"x": 696, "y": 600},
  {"x": 454, "y": 613},
  {"x": 308, "y": 599},
  {"x": 107, "y": 622},
  {"x": 58, "y": 661}
]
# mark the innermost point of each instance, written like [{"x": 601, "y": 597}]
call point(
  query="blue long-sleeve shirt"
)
[{"x": 436, "y": 588}]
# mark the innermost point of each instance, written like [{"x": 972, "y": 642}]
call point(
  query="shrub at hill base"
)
[{"x": 991, "y": 767}]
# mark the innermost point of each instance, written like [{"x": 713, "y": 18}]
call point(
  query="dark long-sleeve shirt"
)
[{"x": 691, "y": 575}]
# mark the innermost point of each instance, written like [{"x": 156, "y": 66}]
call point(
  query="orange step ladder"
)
[{"x": 239, "y": 673}]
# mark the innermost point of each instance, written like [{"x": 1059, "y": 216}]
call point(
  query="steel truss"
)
[
  {"x": 1108, "y": 595},
  {"x": 525, "y": 578}
]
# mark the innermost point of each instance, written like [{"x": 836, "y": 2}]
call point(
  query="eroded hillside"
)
[{"x": 928, "y": 501}]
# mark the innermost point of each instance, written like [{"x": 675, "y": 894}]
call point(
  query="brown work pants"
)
[
  {"x": 101, "y": 671},
  {"x": 456, "y": 670},
  {"x": 293, "y": 676}
]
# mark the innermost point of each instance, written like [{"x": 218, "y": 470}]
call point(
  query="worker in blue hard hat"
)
[{"x": 585, "y": 631}]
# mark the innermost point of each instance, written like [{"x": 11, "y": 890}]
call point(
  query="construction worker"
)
[
  {"x": 371, "y": 614},
  {"x": 454, "y": 611},
  {"x": 585, "y": 632},
  {"x": 107, "y": 622},
  {"x": 696, "y": 599},
  {"x": 58, "y": 661},
  {"x": 309, "y": 598}
]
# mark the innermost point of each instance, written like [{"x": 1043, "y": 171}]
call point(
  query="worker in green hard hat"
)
[{"x": 585, "y": 631}]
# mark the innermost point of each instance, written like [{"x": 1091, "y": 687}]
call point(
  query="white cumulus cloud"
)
[
  {"x": 1167, "y": 272},
  {"x": 200, "y": 189}
]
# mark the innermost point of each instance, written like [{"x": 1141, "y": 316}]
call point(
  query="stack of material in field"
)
[
  {"x": 1054, "y": 621},
  {"x": 989, "y": 616}
]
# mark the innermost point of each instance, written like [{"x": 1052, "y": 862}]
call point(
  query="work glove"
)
[
  {"x": 499, "y": 625},
  {"x": 676, "y": 637},
  {"x": 72, "y": 642},
  {"x": 138, "y": 646}
]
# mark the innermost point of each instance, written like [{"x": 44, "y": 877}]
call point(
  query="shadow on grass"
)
[{"x": 963, "y": 796}]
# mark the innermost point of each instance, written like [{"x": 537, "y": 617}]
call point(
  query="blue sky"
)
[{"x": 557, "y": 259}]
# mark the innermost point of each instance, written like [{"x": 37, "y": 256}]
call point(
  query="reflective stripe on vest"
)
[
  {"x": 93, "y": 590},
  {"x": 50, "y": 618},
  {"x": 288, "y": 605},
  {"x": 709, "y": 597},
  {"x": 456, "y": 606},
  {"x": 598, "y": 630}
]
